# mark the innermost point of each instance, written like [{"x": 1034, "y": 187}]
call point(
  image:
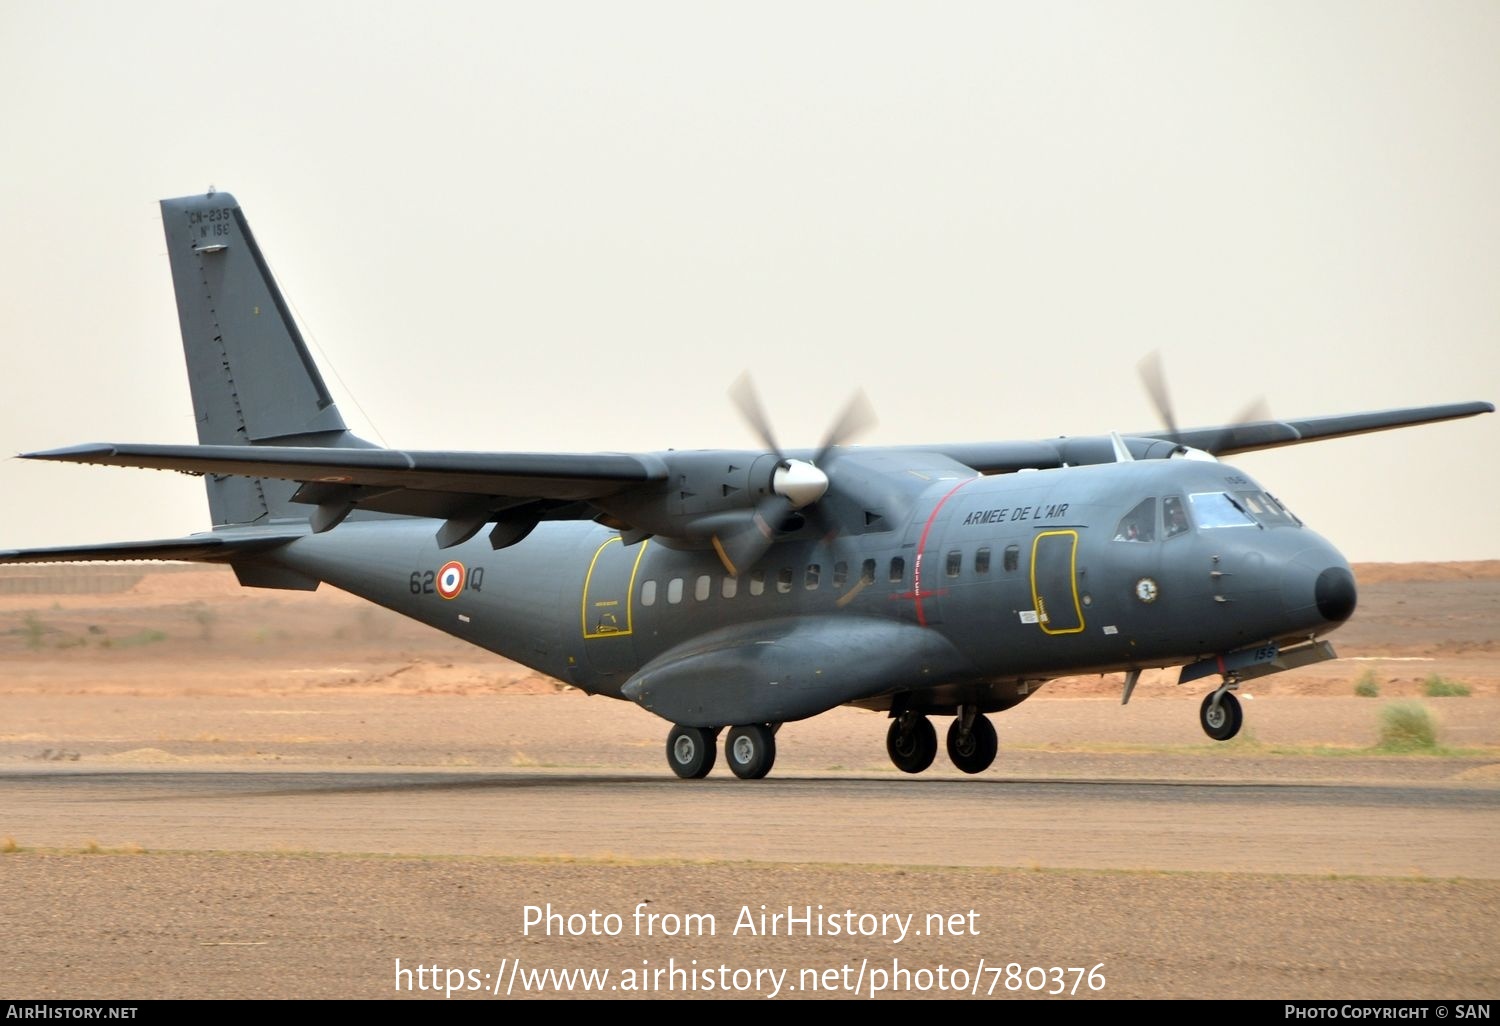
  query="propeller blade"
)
[
  {"x": 1155, "y": 380},
  {"x": 741, "y": 545},
  {"x": 857, "y": 417},
  {"x": 798, "y": 485},
  {"x": 747, "y": 401}
]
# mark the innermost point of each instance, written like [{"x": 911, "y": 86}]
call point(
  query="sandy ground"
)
[{"x": 220, "y": 792}]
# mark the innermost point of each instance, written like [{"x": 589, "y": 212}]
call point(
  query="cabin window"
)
[
  {"x": 1139, "y": 525},
  {"x": 674, "y": 591},
  {"x": 867, "y": 572},
  {"x": 784, "y": 580},
  {"x": 955, "y": 563},
  {"x": 730, "y": 587},
  {"x": 982, "y": 560},
  {"x": 840, "y": 574},
  {"x": 757, "y": 582},
  {"x": 648, "y": 593},
  {"x": 1174, "y": 516},
  {"x": 702, "y": 587},
  {"x": 811, "y": 575},
  {"x": 1012, "y": 558},
  {"x": 898, "y": 569}
]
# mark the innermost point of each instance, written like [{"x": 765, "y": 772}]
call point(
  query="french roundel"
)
[{"x": 450, "y": 580}]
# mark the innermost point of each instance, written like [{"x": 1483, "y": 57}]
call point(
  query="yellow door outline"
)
[
  {"x": 1041, "y": 606},
  {"x": 629, "y": 594}
]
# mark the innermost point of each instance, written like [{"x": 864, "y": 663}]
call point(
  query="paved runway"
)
[{"x": 1427, "y": 829}]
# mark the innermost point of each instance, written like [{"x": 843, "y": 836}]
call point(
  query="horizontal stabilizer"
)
[{"x": 198, "y": 548}]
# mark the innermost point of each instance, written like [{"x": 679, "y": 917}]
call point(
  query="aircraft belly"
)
[{"x": 787, "y": 669}]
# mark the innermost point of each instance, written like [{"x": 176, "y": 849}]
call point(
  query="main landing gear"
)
[
  {"x": 750, "y": 750},
  {"x": 912, "y": 742},
  {"x": 691, "y": 751},
  {"x": 1220, "y": 712}
]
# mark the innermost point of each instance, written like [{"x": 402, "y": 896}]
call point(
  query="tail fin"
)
[{"x": 252, "y": 378}]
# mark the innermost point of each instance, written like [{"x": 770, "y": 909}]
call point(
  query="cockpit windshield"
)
[
  {"x": 1266, "y": 510},
  {"x": 1210, "y": 510},
  {"x": 1217, "y": 509}
]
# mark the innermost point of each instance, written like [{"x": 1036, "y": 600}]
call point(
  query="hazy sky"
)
[{"x": 571, "y": 226}]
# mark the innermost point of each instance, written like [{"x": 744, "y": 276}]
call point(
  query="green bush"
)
[
  {"x": 1368, "y": 686},
  {"x": 1407, "y": 727},
  {"x": 1441, "y": 687}
]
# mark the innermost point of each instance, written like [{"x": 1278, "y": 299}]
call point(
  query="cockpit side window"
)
[
  {"x": 1139, "y": 525},
  {"x": 1216, "y": 509},
  {"x": 1174, "y": 516}
]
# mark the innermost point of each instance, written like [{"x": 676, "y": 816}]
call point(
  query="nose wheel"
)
[{"x": 1220, "y": 715}]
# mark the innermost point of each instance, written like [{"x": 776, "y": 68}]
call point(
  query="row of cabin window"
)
[{"x": 812, "y": 576}]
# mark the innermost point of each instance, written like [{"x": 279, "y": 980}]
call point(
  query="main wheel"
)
[
  {"x": 691, "y": 751},
  {"x": 974, "y": 753},
  {"x": 913, "y": 749},
  {"x": 1222, "y": 723},
  {"x": 751, "y": 750}
]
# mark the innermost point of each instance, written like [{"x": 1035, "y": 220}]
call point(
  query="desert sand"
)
[{"x": 207, "y": 791}]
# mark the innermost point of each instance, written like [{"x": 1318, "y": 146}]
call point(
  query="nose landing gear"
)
[{"x": 1220, "y": 712}]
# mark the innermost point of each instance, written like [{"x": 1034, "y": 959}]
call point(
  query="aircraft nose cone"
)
[
  {"x": 1335, "y": 594},
  {"x": 1317, "y": 588}
]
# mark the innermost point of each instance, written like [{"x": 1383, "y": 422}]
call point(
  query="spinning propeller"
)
[
  {"x": 1155, "y": 380},
  {"x": 795, "y": 484}
]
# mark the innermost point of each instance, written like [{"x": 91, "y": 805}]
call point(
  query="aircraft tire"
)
[
  {"x": 975, "y": 753},
  {"x": 1223, "y": 723},
  {"x": 750, "y": 750},
  {"x": 691, "y": 751},
  {"x": 913, "y": 750}
]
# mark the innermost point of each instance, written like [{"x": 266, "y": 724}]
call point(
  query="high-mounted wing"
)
[
  {"x": 566, "y": 476},
  {"x": 1231, "y": 439},
  {"x": 694, "y": 496},
  {"x": 469, "y": 489},
  {"x": 1222, "y": 440}
]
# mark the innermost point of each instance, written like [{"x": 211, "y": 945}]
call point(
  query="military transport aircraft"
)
[{"x": 743, "y": 589}]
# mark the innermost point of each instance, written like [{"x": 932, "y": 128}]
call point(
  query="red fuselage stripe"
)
[{"x": 916, "y": 570}]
